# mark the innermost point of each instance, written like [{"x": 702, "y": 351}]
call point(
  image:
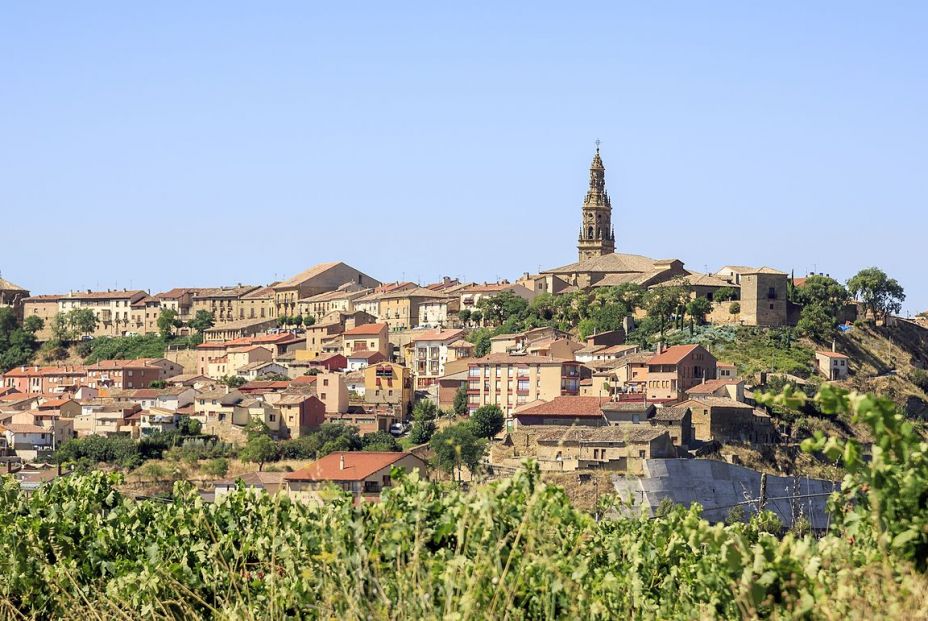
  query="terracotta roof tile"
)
[{"x": 358, "y": 465}]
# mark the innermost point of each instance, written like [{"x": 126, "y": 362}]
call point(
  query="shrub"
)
[
  {"x": 217, "y": 467},
  {"x": 919, "y": 377},
  {"x": 735, "y": 308}
]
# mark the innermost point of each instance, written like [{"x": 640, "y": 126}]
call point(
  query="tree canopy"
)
[
  {"x": 487, "y": 421},
  {"x": 456, "y": 447},
  {"x": 881, "y": 294}
]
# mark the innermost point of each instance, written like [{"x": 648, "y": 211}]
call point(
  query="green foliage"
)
[
  {"x": 202, "y": 321},
  {"x": 33, "y": 324},
  {"x": 460, "y": 402},
  {"x": 824, "y": 291},
  {"x": 218, "y": 467},
  {"x": 421, "y": 432},
  {"x": 259, "y": 449},
  {"x": 919, "y": 377},
  {"x": 735, "y": 308},
  {"x": 881, "y": 294},
  {"x": 664, "y": 305},
  {"x": 189, "y": 426},
  {"x": 882, "y": 502},
  {"x": 330, "y": 437},
  {"x": 698, "y": 308},
  {"x": 379, "y": 441},
  {"x": 487, "y": 421},
  {"x": 233, "y": 381},
  {"x": 757, "y": 349},
  {"x": 124, "y": 348},
  {"x": 456, "y": 447},
  {"x": 817, "y": 322},
  {"x": 497, "y": 308},
  {"x": 167, "y": 321},
  {"x": 424, "y": 409},
  {"x": 17, "y": 343},
  {"x": 90, "y": 450},
  {"x": 514, "y": 548},
  {"x": 724, "y": 294}
]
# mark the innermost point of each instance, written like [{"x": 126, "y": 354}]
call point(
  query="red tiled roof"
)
[
  {"x": 358, "y": 465},
  {"x": 52, "y": 404},
  {"x": 517, "y": 359},
  {"x": 303, "y": 379},
  {"x": 711, "y": 386},
  {"x": 570, "y": 407},
  {"x": 366, "y": 329},
  {"x": 673, "y": 355},
  {"x": 365, "y": 354},
  {"x": 437, "y": 335},
  {"x": 831, "y": 354}
]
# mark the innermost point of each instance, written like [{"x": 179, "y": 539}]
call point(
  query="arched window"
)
[{"x": 590, "y": 233}]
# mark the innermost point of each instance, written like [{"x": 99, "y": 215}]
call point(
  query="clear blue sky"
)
[{"x": 202, "y": 143}]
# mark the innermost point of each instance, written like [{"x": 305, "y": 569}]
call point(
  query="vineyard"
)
[{"x": 512, "y": 549}]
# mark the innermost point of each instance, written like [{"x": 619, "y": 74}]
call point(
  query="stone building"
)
[
  {"x": 763, "y": 297},
  {"x": 597, "y": 236}
]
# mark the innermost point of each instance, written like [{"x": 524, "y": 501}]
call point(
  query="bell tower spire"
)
[{"x": 597, "y": 236}]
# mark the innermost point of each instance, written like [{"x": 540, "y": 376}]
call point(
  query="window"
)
[
  {"x": 272, "y": 417},
  {"x": 641, "y": 454}
]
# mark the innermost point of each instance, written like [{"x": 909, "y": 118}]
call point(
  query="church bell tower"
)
[{"x": 597, "y": 236}]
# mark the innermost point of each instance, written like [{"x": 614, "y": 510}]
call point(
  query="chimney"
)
[
  {"x": 660, "y": 347},
  {"x": 341, "y": 462},
  {"x": 834, "y": 345}
]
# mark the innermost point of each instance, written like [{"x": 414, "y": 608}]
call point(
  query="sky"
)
[{"x": 153, "y": 145}]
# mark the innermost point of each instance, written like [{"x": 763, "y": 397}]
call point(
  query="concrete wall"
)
[{"x": 717, "y": 485}]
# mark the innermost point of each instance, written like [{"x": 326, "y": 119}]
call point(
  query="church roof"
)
[
  {"x": 613, "y": 263},
  {"x": 6, "y": 285}
]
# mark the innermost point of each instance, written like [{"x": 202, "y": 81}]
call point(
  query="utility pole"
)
[{"x": 763, "y": 491}]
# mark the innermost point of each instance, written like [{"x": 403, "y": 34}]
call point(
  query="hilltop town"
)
[{"x": 592, "y": 369}]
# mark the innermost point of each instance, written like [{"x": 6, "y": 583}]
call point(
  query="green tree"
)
[
  {"x": 283, "y": 321},
  {"x": 82, "y": 321},
  {"x": 202, "y": 321},
  {"x": 233, "y": 381},
  {"x": 218, "y": 467},
  {"x": 881, "y": 294},
  {"x": 298, "y": 321},
  {"x": 816, "y": 321},
  {"x": 167, "y": 321},
  {"x": 379, "y": 441},
  {"x": 663, "y": 304},
  {"x": 421, "y": 432},
  {"x": 499, "y": 307},
  {"x": 259, "y": 449},
  {"x": 476, "y": 317},
  {"x": 735, "y": 308},
  {"x": 33, "y": 324},
  {"x": 698, "y": 308},
  {"x": 17, "y": 344},
  {"x": 460, "y": 401},
  {"x": 60, "y": 329},
  {"x": 487, "y": 421},
  {"x": 425, "y": 409},
  {"x": 724, "y": 294},
  {"x": 189, "y": 426},
  {"x": 464, "y": 315},
  {"x": 456, "y": 447},
  {"x": 480, "y": 337},
  {"x": 824, "y": 291}
]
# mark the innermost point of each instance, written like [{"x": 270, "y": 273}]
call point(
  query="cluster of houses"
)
[
  {"x": 369, "y": 350},
  {"x": 363, "y": 351}
]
